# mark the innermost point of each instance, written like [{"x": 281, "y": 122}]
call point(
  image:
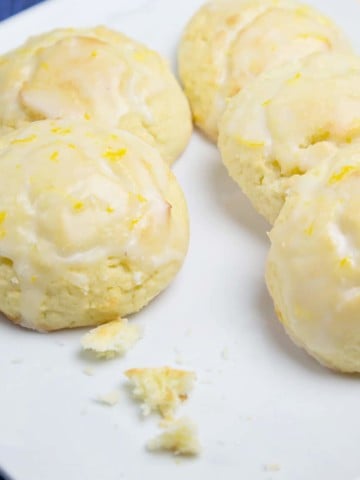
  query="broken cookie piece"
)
[
  {"x": 160, "y": 389},
  {"x": 181, "y": 438},
  {"x": 111, "y": 339}
]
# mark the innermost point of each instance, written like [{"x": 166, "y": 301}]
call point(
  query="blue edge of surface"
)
[
  {"x": 11, "y": 7},
  {"x": 7, "y": 9},
  {"x": 4, "y": 476}
]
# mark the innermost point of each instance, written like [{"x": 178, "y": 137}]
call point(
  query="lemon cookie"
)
[
  {"x": 286, "y": 122},
  {"x": 313, "y": 270},
  {"x": 95, "y": 74},
  {"x": 93, "y": 224},
  {"x": 230, "y": 42}
]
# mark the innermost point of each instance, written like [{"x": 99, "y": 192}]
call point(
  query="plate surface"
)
[{"x": 259, "y": 400}]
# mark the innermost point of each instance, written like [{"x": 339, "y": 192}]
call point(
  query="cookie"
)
[
  {"x": 229, "y": 43},
  {"x": 286, "y": 122},
  {"x": 95, "y": 74},
  {"x": 313, "y": 269},
  {"x": 93, "y": 224}
]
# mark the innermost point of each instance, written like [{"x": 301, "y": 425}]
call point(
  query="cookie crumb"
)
[
  {"x": 180, "y": 438},
  {"x": 160, "y": 389},
  {"x": 111, "y": 339},
  {"x": 272, "y": 467},
  {"x": 110, "y": 399}
]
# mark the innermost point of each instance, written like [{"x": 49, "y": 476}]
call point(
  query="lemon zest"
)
[
  {"x": 114, "y": 155},
  {"x": 78, "y": 206},
  {"x": 295, "y": 78},
  {"x": 60, "y": 130},
  {"x": 249, "y": 143},
  {"x": 28, "y": 139},
  {"x": 337, "y": 177},
  {"x": 3, "y": 216},
  {"x": 54, "y": 157}
]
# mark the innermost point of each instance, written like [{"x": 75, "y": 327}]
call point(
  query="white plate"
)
[{"x": 259, "y": 400}]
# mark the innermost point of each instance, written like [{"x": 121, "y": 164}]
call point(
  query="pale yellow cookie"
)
[
  {"x": 95, "y": 74},
  {"x": 286, "y": 122},
  {"x": 313, "y": 270},
  {"x": 93, "y": 224},
  {"x": 230, "y": 42}
]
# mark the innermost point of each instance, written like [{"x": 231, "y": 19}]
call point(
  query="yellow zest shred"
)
[
  {"x": 309, "y": 230},
  {"x": 249, "y": 143},
  {"x": 28, "y": 139},
  {"x": 61, "y": 131},
  {"x": 294, "y": 79},
  {"x": 139, "y": 56},
  {"x": 141, "y": 198},
  {"x": 133, "y": 223},
  {"x": 54, "y": 157},
  {"x": 345, "y": 262},
  {"x": 302, "y": 10},
  {"x": 354, "y": 131},
  {"x": 114, "y": 155},
  {"x": 337, "y": 177},
  {"x": 78, "y": 206},
  {"x": 315, "y": 36},
  {"x": 3, "y": 216}
]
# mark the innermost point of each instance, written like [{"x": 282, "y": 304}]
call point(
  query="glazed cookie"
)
[
  {"x": 93, "y": 224},
  {"x": 230, "y": 42},
  {"x": 313, "y": 271},
  {"x": 286, "y": 122},
  {"x": 95, "y": 74}
]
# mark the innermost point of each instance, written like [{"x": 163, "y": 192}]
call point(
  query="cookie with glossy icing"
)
[
  {"x": 93, "y": 224},
  {"x": 228, "y": 43},
  {"x": 288, "y": 121},
  {"x": 313, "y": 269},
  {"x": 95, "y": 74}
]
